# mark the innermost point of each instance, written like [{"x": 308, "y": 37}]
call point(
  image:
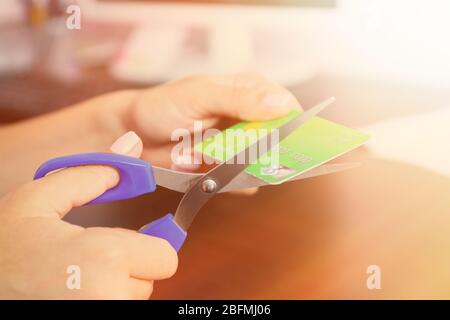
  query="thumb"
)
[{"x": 59, "y": 192}]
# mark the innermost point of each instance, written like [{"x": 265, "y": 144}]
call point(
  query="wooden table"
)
[{"x": 310, "y": 239}]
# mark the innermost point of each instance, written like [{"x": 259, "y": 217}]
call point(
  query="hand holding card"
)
[{"x": 316, "y": 142}]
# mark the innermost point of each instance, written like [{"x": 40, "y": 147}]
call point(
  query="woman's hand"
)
[
  {"x": 43, "y": 257},
  {"x": 38, "y": 248},
  {"x": 153, "y": 113}
]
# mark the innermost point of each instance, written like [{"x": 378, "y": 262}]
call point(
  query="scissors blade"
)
[
  {"x": 175, "y": 180},
  {"x": 194, "y": 199},
  {"x": 245, "y": 180},
  {"x": 182, "y": 181}
]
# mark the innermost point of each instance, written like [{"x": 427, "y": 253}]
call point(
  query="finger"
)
[
  {"x": 140, "y": 289},
  {"x": 207, "y": 98},
  {"x": 149, "y": 258},
  {"x": 245, "y": 96},
  {"x": 59, "y": 192}
]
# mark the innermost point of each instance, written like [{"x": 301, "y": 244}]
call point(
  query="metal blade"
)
[
  {"x": 175, "y": 180},
  {"x": 301, "y": 119},
  {"x": 245, "y": 180},
  {"x": 220, "y": 176},
  {"x": 182, "y": 181}
]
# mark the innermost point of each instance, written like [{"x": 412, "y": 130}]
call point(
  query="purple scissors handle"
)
[{"x": 136, "y": 178}]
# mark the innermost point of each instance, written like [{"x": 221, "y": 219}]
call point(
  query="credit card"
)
[{"x": 312, "y": 144}]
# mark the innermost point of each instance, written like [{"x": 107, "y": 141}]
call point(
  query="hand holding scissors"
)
[{"x": 138, "y": 177}]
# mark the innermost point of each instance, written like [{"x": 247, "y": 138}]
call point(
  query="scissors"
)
[{"x": 138, "y": 177}]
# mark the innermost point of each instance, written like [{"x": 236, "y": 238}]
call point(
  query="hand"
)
[
  {"x": 155, "y": 113},
  {"x": 37, "y": 247}
]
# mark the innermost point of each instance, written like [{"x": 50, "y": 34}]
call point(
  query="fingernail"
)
[
  {"x": 277, "y": 100},
  {"x": 125, "y": 143}
]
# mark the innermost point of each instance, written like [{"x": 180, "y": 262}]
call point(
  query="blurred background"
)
[
  {"x": 139, "y": 43},
  {"x": 128, "y": 43},
  {"x": 386, "y": 62}
]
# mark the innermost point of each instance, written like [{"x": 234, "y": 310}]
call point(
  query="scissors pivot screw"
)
[{"x": 209, "y": 186}]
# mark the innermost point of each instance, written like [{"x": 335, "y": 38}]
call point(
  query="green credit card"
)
[{"x": 312, "y": 144}]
